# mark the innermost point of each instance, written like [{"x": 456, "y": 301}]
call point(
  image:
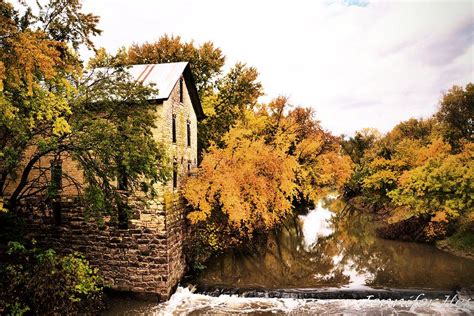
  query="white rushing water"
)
[{"x": 184, "y": 302}]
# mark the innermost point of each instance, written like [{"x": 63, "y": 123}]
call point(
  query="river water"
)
[{"x": 326, "y": 261}]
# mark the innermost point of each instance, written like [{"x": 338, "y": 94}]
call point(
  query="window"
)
[
  {"x": 56, "y": 176},
  {"x": 175, "y": 175},
  {"x": 173, "y": 127},
  {"x": 188, "y": 128},
  {"x": 181, "y": 92},
  {"x": 189, "y": 166},
  {"x": 55, "y": 187}
]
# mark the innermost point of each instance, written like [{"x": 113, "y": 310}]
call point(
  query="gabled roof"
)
[{"x": 164, "y": 77}]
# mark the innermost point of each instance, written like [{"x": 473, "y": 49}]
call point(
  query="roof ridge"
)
[{"x": 172, "y": 63}]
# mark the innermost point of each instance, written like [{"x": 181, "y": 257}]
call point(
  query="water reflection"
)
[
  {"x": 315, "y": 224},
  {"x": 333, "y": 246}
]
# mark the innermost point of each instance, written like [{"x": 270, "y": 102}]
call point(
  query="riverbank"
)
[
  {"x": 460, "y": 243},
  {"x": 447, "y": 246}
]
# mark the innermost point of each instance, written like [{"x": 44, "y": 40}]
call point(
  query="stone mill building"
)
[{"x": 147, "y": 256}]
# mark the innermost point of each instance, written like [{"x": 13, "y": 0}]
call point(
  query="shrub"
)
[{"x": 42, "y": 283}]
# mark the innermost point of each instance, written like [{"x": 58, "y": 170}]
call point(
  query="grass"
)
[{"x": 462, "y": 240}]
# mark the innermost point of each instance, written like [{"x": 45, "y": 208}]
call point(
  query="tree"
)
[
  {"x": 381, "y": 160},
  {"x": 41, "y": 282},
  {"x": 206, "y": 61},
  {"x": 442, "y": 185},
  {"x": 235, "y": 93},
  {"x": 421, "y": 171},
  {"x": 243, "y": 188},
  {"x": 417, "y": 129},
  {"x": 441, "y": 189},
  {"x": 112, "y": 138},
  {"x": 357, "y": 145},
  {"x": 456, "y": 113},
  {"x": 250, "y": 181},
  {"x": 322, "y": 167},
  {"x": 37, "y": 71},
  {"x": 103, "y": 121}
]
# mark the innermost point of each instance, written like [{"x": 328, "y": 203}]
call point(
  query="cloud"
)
[
  {"x": 359, "y": 3},
  {"x": 358, "y": 64},
  {"x": 445, "y": 47}
]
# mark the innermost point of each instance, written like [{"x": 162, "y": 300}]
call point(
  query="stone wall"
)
[
  {"x": 183, "y": 156},
  {"x": 146, "y": 258}
]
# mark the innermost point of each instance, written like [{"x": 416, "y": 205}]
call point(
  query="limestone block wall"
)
[
  {"x": 38, "y": 178},
  {"x": 176, "y": 230},
  {"x": 181, "y": 154},
  {"x": 146, "y": 258}
]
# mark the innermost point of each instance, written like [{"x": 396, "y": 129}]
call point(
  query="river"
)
[{"x": 325, "y": 261}]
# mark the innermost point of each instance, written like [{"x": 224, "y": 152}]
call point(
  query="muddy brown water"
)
[
  {"x": 326, "y": 261},
  {"x": 334, "y": 246}
]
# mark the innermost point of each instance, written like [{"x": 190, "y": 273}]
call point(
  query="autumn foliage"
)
[
  {"x": 420, "y": 169},
  {"x": 267, "y": 162},
  {"x": 248, "y": 180},
  {"x": 52, "y": 109},
  {"x": 206, "y": 60},
  {"x": 38, "y": 71}
]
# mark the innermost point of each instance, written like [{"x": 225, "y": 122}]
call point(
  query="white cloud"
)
[{"x": 357, "y": 65}]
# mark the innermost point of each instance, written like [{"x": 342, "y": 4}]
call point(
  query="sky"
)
[{"x": 358, "y": 63}]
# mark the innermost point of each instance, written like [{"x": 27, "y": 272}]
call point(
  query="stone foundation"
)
[{"x": 147, "y": 258}]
